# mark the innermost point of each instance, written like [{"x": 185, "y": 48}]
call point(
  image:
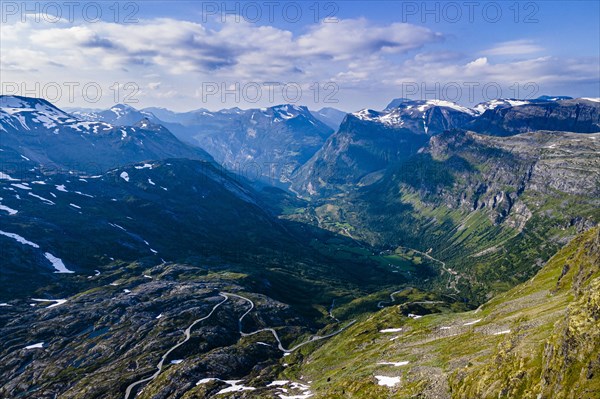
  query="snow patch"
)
[
  {"x": 387, "y": 381},
  {"x": 4, "y": 176},
  {"x": 57, "y": 263},
  {"x": 21, "y": 186},
  {"x": 234, "y": 387},
  {"x": 19, "y": 239},
  {"x": 35, "y": 346},
  {"x": 391, "y": 330},
  {"x": 9, "y": 210},
  {"x": 57, "y": 302},
  {"x": 395, "y": 364}
]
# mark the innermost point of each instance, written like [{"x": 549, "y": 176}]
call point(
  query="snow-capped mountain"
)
[
  {"x": 369, "y": 141},
  {"x": 513, "y": 102},
  {"x": 420, "y": 116},
  {"x": 267, "y": 143},
  {"x": 120, "y": 114},
  {"x": 49, "y": 136},
  {"x": 510, "y": 117}
]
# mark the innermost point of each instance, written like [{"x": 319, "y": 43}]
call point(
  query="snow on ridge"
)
[
  {"x": 4, "y": 176},
  {"x": 57, "y": 263},
  {"x": 499, "y": 102},
  {"x": 446, "y": 104},
  {"x": 124, "y": 176},
  {"x": 57, "y": 302},
  {"x": 7, "y": 209},
  {"x": 39, "y": 345},
  {"x": 390, "y": 330},
  {"x": 19, "y": 239}
]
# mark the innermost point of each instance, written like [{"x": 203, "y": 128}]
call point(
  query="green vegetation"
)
[{"x": 539, "y": 338}]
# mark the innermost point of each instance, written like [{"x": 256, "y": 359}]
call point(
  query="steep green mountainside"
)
[
  {"x": 537, "y": 340},
  {"x": 491, "y": 209}
]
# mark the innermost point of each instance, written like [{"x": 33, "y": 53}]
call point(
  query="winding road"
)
[
  {"x": 451, "y": 282},
  {"x": 187, "y": 334},
  {"x": 274, "y": 333},
  {"x": 226, "y": 296}
]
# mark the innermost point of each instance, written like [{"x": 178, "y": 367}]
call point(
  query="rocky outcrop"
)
[{"x": 573, "y": 115}]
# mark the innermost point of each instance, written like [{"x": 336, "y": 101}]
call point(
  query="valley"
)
[{"x": 406, "y": 253}]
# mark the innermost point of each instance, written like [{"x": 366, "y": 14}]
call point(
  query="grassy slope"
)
[{"x": 552, "y": 348}]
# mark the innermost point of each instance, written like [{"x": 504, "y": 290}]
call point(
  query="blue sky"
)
[{"x": 187, "y": 54}]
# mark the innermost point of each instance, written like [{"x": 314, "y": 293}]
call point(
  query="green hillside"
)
[{"x": 538, "y": 340}]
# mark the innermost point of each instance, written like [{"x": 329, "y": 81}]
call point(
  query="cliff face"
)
[
  {"x": 574, "y": 115},
  {"x": 493, "y": 208},
  {"x": 538, "y": 340}
]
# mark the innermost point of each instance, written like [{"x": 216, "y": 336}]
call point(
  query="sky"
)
[{"x": 185, "y": 55}]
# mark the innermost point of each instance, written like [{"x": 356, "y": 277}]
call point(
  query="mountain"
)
[
  {"x": 332, "y": 117},
  {"x": 267, "y": 143},
  {"x": 580, "y": 115},
  {"x": 46, "y": 135},
  {"x": 120, "y": 114},
  {"x": 514, "y": 102},
  {"x": 174, "y": 258},
  {"x": 537, "y": 340},
  {"x": 368, "y": 141},
  {"x": 175, "y": 278},
  {"x": 474, "y": 201}
]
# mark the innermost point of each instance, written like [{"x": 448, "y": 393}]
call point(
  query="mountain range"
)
[{"x": 425, "y": 250}]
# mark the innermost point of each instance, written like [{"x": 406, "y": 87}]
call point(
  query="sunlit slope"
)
[{"x": 539, "y": 340}]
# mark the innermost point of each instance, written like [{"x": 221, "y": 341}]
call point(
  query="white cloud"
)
[
  {"x": 514, "y": 47},
  {"x": 169, "y": 58}
]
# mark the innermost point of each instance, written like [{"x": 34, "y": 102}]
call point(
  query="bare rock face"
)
[{"x": 573, "y": 115}]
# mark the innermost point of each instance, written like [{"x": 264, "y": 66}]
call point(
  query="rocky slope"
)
[
  {"x": 98, "y": 342},
  {"x": 581, "y": 115},
  {"x": 369, "y": 141},
  {"x": 489, "y": 207}
]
